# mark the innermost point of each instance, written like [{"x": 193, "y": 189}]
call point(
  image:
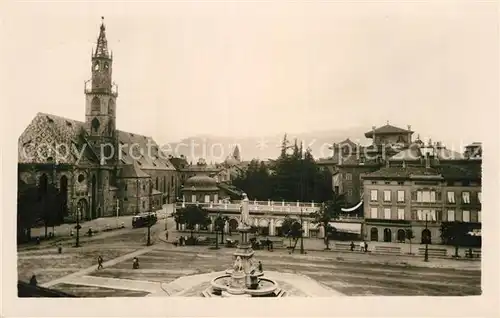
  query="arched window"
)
[
  {"x": 401, "y": 235},
  {"x": 96, "y": 104},
  {"x": 95, "y": 125},
  {"x": 426, "y": 236},
  {"x": 374, "y": 234},
  {"x": 387, "y": 235},
  {"x": 111, "y": 106}
]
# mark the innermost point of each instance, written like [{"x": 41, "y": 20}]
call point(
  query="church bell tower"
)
[{"x": 101, "y": 94}]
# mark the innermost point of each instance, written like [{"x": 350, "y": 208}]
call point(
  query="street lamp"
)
[
  {"x": 78, "y": 211},
  {"x": 301, "y": 234},
  {"x": 426, "y": 255}
]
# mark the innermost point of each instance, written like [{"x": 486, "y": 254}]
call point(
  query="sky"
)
[{"x": 253, "y": 69}]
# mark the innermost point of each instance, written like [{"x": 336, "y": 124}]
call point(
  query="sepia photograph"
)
[{"x": 234, "y": 150}]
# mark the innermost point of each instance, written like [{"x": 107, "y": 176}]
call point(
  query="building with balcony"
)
[{"x": 421, "y": 198}]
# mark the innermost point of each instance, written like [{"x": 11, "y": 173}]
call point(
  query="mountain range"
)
[{"x": 217, "y": 148}]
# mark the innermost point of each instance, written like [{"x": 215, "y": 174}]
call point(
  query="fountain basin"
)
[{"x": 220, "y": 286}]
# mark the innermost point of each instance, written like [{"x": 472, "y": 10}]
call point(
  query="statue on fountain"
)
[
  {"x": 238, "y": 265},
  {"x": 244, "y": 217}
]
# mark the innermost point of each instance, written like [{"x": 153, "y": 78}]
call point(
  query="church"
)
[{"x": 101, "y": 171}]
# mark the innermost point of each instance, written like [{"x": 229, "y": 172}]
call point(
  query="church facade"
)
[{"x": 100, "y": 170}]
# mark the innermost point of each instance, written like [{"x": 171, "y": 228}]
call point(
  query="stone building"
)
[
  {"x": 95, "y": 166},
  {"x": 420, "y": 196}
]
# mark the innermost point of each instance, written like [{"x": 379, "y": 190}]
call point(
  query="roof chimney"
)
[
  {"x": 409, "y": 134},
  {"x": 427, "y": 161},
  {"x": 373, "y": 134}
]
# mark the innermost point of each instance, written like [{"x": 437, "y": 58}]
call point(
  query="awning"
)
[
  {"x": 476, "y": 232},
  {"x": 354, "y": 228},
  {"x": 353, "y": 208}
]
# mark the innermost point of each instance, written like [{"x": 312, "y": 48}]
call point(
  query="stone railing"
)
[{"x": 258, "y": 206}]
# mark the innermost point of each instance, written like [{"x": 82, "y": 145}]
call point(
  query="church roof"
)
[
  {"x": 48, "y": 132},
  {"x": 387, "y": 130},
  {"x": 132, "y": 171}
]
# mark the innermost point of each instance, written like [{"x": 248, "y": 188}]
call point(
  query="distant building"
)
[{"x": 474, "y": 151}]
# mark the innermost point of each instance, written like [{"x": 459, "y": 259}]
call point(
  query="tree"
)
[
  {"x": 28, "y": 210},
  {"x": 286, "y": 227},
  {"x": 193, "y": 215},
  {"x": 409, "y": 236},
  {"x": 330, "y": 210},
  {"x": 453, "y": 233}
]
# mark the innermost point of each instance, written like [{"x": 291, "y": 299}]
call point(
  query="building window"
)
[
  {"x": 373, "y": 213},
  {"x": 451, "y": 215},
  {"x": 348, "y": 176},
  {"x": 216, "y": 198},
  {"x": 466, "y": 197},
  {"x": 426, "y": 196},
  {"x": 479, "y": 216},
  {"x": 387, "y": 195},
  {"x": 401, "y": 214},
  {"x": 374, "y": 182},
  {"x": 401, "y": 182},
  {"x": 401, "y": 196},
  {"x": 373, "y": 195},
  {"x": 207, "y": 198},
  {"x": 349, "y": 193},
  {"x": 451, "y": 197},
  {"x": 387, "y": 182},
  {"x": 479, "y": 197},
  {"x": 387, "y": 214},
  {"x": 193, "y": 198},
  {"x": 466, "y": 216},
  {"x": 413, "y": 214}
]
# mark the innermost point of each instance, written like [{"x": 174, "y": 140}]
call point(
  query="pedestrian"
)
[
  {"x": 366, "y": 247},
  {"x": 166, "y": 235},
  {"x": 99, "y": 262},
  {"x": 135, "y": 264},
  {"x": 352, "y": 246},
  {"x": 37, "y": 240},
  {"x": 181, "y": 240},
  {"x": 260, "y": 266},
  {"x": 89, "y": 232},
  {"x": 33, "y": 281},
  {"x": 59, "y": 249}
]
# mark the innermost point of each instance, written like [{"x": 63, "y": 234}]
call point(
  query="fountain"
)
[{"x": 244, "y": 278}]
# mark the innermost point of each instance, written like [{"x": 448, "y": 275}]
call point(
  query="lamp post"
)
[
  {"x": 426, "y": 255},
  {"x": 301, "y": 234},
  {"x": 78, "y": 211},
  {"x": 117, "y": 212}
]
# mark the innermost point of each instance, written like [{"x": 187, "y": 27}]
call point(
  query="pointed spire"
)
[{"x": 102, "y": 44}]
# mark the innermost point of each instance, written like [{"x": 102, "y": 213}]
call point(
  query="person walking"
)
[
  {"x": 260, "y": 266},
  {"x": 366, "y": 247},
  {"x": 166, "y": 235},
  {"x": 99, "y": 262},
  {"x": 352, "y": 246}
]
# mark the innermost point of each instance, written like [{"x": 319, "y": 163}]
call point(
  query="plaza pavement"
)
[{"x": 184, "y": 271}]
